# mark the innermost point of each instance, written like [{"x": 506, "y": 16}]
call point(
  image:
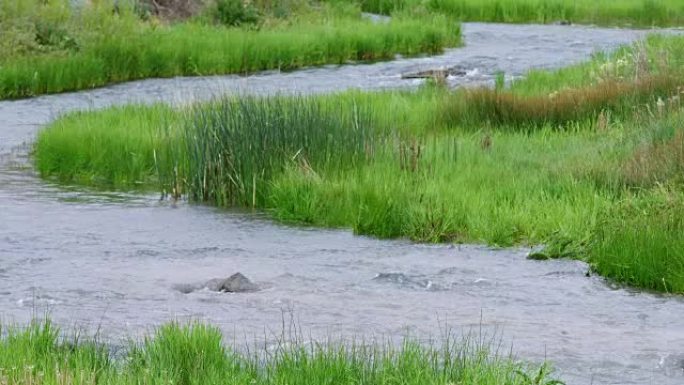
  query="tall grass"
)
[
  {"x": 195, "y": 354},
  {"x": 644, "y": 13},
  {"x": 237, "y": 146},
  {"x": 640, "y": 241},
  {"x": 589, "y": 104},
  {"x": 126, "y": 48}
]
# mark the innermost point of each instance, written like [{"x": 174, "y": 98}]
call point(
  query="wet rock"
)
[
  {"x": 672, "y": 364},
  {"x": 439, "y": 73},
  {"x": 236, "y": 283},
  {"x": 392, "y": 277},
  {"x": 434, "y": 74}
]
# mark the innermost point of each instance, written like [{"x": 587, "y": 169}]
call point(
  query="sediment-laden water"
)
[{"x": 115, "y": 261}]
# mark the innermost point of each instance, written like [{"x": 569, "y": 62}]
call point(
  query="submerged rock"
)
[
  {"x": 236, "y": 283},
  {"x": 185, "y": 288},
  {"x": 405, "y": 281},
  {"x": 392, "y": 277}
]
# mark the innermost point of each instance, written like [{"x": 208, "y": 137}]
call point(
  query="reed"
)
[{"x": 236, "y": 147}]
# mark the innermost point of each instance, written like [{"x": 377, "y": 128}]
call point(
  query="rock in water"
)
[
  {"x": 439, "y": 73},
  {"x": 236, "y": 283},
  {"x": 434, "y": 74}
]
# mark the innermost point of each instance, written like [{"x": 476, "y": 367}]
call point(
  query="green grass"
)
[
  {"x": 195, "y": 354},
  {"x": 121, "y": 143},
  {"x": 121, "y": 47},
  {"x": 639, "y": 13},
  {"x": 455, "y": 191},
  {"x": 537, "y": 165},
  {"x": 639, "y": 241}
]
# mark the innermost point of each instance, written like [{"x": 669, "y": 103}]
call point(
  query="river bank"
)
[{"x": 53, "y": 47}]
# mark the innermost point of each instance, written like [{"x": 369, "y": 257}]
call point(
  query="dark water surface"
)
[{"x": 112, "y": 260}]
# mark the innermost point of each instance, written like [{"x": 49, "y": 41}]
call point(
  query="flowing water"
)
[{"x": 115, "y": 261}]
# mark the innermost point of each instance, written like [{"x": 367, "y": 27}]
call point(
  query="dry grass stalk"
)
[
  {"x": 657, "y": 162},
  {"x": 409, "y": 155}
]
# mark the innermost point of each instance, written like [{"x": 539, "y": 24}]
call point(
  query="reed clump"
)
[
  {"x": 193, "y": 354},
  {"x": 236, "y": 147}
]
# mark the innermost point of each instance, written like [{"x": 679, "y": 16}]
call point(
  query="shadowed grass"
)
[{"x": 195, "y": 354}]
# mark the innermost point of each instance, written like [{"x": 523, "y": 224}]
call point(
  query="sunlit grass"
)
[{"x": 196, "y": 354}]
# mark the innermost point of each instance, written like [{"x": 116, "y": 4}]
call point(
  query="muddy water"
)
[{"x": 112, "y": 261}]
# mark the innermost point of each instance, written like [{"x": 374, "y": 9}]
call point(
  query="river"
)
[{"x": 112, "y": 261}]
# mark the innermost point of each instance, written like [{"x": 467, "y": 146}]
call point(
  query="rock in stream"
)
[{"x": 236, "y": 283}]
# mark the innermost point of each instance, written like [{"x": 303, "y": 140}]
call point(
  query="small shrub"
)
[
  {"x": 235, "y": 12},
  {"x": 54, "y": 36}
]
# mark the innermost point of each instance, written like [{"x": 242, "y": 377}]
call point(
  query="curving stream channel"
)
[{"x": 113, "y": 261}]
